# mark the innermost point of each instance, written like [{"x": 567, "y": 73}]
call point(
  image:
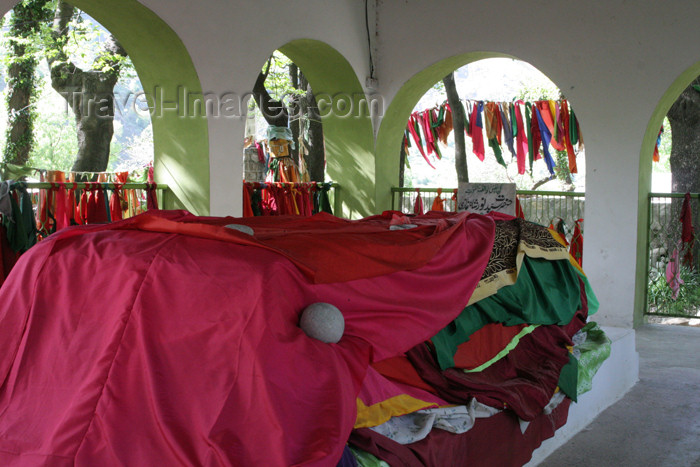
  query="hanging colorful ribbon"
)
[
  {"x": 546, "y": 137},
  {"x": 476, "y": 131}
]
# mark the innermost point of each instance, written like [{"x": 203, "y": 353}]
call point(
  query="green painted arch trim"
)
[
  {"x": 645, "y": 168},
  {"x": 347, "y": 125},
  {"x": 168, "y": 76}
]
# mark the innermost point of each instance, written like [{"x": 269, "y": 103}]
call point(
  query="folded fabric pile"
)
[{"x": 493, "y": 384}]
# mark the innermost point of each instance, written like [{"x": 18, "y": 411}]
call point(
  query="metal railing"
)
[
  {"x": 668, "y": 259},
  {"x": 140, "y": 187},
  {"x": 541, "y": 207}
]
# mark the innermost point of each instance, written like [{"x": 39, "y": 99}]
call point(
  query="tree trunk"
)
[
  {"x": 315, "y": 146},
  {"x": 25, "y": 23},
  {"x": 296, "y": 114},
  {"x": 684, "y": 117},
  {"x": 89, "y": 94},
  {"x": 458, "y": 119},
  {"x": 274, "y": 112}
]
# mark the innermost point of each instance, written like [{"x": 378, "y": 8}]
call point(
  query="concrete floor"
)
[{"x": 657, "y": 423}]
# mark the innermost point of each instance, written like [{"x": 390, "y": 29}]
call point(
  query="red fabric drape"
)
[
  {"x": 576, "y": 248},
  {"x": 418, "y": 208}
]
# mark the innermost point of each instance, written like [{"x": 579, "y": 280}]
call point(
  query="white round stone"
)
[{"x": 323, "y": 321}]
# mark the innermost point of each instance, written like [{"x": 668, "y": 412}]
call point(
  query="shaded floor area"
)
[{"x": 657, "y": 423}]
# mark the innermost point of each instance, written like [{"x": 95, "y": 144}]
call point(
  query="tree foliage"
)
[
  {"x": 85, "y": 47},
  {"x": 20, "y": 63},
  {"x": 89, "y": 92}
]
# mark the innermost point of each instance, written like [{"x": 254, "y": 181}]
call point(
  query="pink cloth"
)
[
  {"x": 376, "y": 388},
  {"x": 133, "y": 346},
  {"x": 673, "y": 274}
]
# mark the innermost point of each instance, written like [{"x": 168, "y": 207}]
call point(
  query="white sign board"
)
[{"x": 482, "y": 198}]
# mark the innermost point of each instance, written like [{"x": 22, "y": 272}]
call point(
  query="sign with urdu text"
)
[{"x": 486, "y": 197}]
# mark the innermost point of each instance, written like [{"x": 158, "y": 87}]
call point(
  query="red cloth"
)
[
  {"x": 549, "y": 122},
  {"x": 567, "y": 140},
  {"x": 493, "y": 441},
  {"x": 151, "y": 197},
  {"x": 62, "y": 213},
  {"x": 523, "y": 381},
  {"x": 485, "y": 344},
  {"x": 166, "y": 339},
  {"x": 418, "y": 205},
  {"x": 576, "y": 248},
  {"x": 413, "y": 121},
  {"x": 247, "y": 206},
  {"x": 476, "y": 131},
  {"x": 518, "y": 208},
  {"x": 115, "y": 204},
  {"x": 399, "y": 369},
  {"x": 375, "y": 251},
  {"x": 260, "y": 151},
  {"x": 424, "y": 119},
  {"x": 535, "y": 135},
  {"x": 376, "y": 388},
  {"x": 97, "y": 207}
]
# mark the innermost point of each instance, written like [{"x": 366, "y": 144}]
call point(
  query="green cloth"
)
[
  {"x": 365, "y": 459},
  {"x": 21, "y": 226},
  {"x": 568, "y": 378},
  {"x": 493, "y": 142},
  {"x": 594, "y": 351},
  {"x": 593, "y": 303},
  {"x": 322, "y": 202},
  {"x": 573, "y": 129},
  {"x": 528, "y": 128},
  {"x": 545, "y": 292}
]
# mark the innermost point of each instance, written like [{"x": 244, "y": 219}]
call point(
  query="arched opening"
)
[
  {"x": 50, "y": 80},
  {"x": 393, "y": 123},
  {"x": 181, "y": 145},
  {"x": 560, "y": 206},
  {"x": 347, "y": 128},
  {"x": 500, "y": 81},
  {"x": 284, "y": 159},
  {"x": 344, "y": 113},
  {"x": 664, "y": 266}
]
